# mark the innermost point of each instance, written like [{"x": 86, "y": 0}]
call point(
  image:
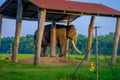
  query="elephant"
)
[{"x": 63, "y": 33}]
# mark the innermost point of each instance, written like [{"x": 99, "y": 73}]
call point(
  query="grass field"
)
[{"x": 14, "y": 71}]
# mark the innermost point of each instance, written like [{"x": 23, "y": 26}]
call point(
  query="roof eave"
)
[{"x": 4, "y": 5}]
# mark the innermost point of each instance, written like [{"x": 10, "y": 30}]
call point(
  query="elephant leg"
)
[
  {"x": 44, "y": 47},
  {"x": 41, "y": 54},
  {"x": 62, "y": 50},
  {"x": 66, "y": 49},
  {"x": 45, "y": 51}
]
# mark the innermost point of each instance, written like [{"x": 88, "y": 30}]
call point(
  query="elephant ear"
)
[{"x": 71, "y": 32}]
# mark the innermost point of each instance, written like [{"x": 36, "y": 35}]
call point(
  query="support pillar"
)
[
  {"x": 18, "y": 30},
  {"x": 41, "y": 20},
  {"x": 67, "y": 43},
  {"x": 90, "y": 34},
  {"x": 0, "y": 29},
  {"x": 53, "y": 40},
  {"x": 115, "y": 44}
]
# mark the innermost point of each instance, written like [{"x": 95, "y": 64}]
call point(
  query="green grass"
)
[
  {"x": 101, "y": 58},
  {"x": 14, "y": 71},
  {"x": 20, "y": 56}
]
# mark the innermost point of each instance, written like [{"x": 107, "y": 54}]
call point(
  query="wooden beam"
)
[
  {"x": 18, "y": 30},
  {"x": 115, "y": 44},
  {"x": 53, "y": 40},
  {"x": 5, "y": 4},
  {"x": 0, "y": 29},
  {"x": 41, "y": 20},
  {"x": 82, "y": 13},
  {"x": 90, "y": 34}
]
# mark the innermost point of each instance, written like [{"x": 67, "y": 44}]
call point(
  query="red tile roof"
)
[
  {"x": 73, "y": 6},
  {"x": 57, "y": 10}
]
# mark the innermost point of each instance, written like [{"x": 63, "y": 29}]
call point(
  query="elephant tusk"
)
[{"x": 76, "y": 49}]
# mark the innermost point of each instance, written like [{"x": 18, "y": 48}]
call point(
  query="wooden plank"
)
[
  {"x": 41, "y": 20},
  {"x": 18, "y": 30},
  {"x": 0, "y": 29},
  {"x": 90, "y": 34},
  {"x": 116, "y": 39},
  {"x": 53, "y": 40}
]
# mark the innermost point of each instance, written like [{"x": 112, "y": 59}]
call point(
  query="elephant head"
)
[{"x": 71, "y": 34}]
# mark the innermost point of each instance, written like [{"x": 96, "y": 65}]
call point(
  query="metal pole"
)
[
  {"x": 11, "y": 48},
  {"x": 96, "y": 52}
]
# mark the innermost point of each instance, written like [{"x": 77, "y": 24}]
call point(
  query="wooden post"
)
[
  {"x": 67, "y": 43},
  {"x": 68, "y": 23},
  {"x": 53, "y": 40},
  {"x": 41, "y": 20},
  {"x": 0, "y": 29},
  {"x": 90, "y": 34},
  {"x": 115, "y": 45},
  {"x": 18, "y": 30}
]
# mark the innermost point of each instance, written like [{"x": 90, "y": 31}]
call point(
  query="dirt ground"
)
[{"x": 56, "y": 61}]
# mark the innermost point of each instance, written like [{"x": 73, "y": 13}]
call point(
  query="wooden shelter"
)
[{"x": 55, "y": 11}]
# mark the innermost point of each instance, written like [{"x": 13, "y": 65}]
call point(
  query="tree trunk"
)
[
  {"x": 18, "y": 30},
  {"x": 53, "y": 40},
  {"x": 90, "y": 34},
  {"x": 115, "y": 45},
  {"x": 41, "y": 20},
  {"x": 0, "y": 29}
]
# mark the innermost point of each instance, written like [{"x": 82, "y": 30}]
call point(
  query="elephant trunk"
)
[{"x": 76, "y": 49}]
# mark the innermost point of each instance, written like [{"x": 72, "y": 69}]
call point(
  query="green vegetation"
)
[
  {"x": 27, "y": 44},
  {"x": 20, "y": 56},
  {"x": 105, "y": 44},
  {"x": 101, "y": 58},
  {"x": 15, "y": 71}
]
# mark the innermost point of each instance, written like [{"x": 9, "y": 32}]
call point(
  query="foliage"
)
[
  {"x": 6, "y": 44},
  {"x": 27, "y": 44},
  {"x": 105, "y": 44}
]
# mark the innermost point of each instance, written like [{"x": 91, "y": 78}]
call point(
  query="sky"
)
[{"x": 107, "y": 24}]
